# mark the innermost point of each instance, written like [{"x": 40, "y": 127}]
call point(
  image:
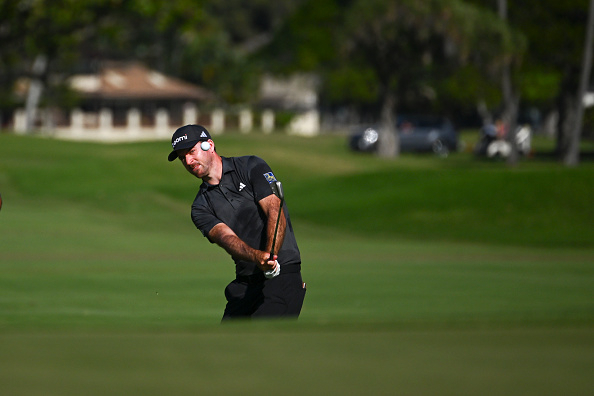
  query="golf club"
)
[{"x": 277, "y": 189}]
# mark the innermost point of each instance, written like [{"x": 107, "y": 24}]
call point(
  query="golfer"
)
[{"x": 236, "y": 208}]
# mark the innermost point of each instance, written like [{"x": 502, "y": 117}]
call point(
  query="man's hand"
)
[
  {"x": 275, "y": 271},
  {"x": 267, "y": 263}
]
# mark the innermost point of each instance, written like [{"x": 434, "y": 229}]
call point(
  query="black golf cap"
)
[{"x": 187, "y": 137}]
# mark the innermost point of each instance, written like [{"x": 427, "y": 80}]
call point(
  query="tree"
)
[
  {"x": 549, "y": 77},
  {"x": 510, "y": 97},
  {"x": 212, "y": 42},
  {"x": 42, "y": 37},
  {"x": 395, "y": 54},
  {"x": 571, "y": 157},
  {"x": 409, "y": 43},
  {"x": 206, "y": 42},
  {"x": 550, "y": 72}
]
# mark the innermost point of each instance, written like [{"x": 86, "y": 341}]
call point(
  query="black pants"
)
[{"x": 265, "y": 298}]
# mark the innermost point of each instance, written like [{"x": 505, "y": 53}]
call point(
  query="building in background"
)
[
  {"x": 297, "y": 95},
  {"x": 122, "y": 101},
  {"x": 126, "y": 101}
]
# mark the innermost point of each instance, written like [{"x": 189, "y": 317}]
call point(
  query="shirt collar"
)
[{"x": 228, "y": 166}]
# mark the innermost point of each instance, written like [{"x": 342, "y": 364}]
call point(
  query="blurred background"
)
[{"x": 133, "y": 69}]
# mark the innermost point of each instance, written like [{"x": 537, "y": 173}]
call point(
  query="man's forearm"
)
[
  {"x": 228, "y": 240},
  {"x": 224, "y": 236}
]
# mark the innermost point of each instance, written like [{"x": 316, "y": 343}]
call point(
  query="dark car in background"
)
[{"x": 419, "y": 133}]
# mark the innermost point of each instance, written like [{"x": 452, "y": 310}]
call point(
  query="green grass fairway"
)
[
  {"x": 301, "y": 360},
  {"x": 426, "y": 276}
]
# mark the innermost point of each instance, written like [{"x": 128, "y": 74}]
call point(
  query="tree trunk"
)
[
  {"x": 484, "y": 113},
  {"x": 511, "y": 102},
  {"x": 510, "y": 120},
  {"x": 35, "y": 91},
  {"x": 388, "y": 142},
  {"x": 567, "y": 121},
  {"x": 572, "y": 155},
  {"x": 565, "y": 108}
]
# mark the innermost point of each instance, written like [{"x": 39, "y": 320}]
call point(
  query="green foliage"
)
[
  {"x": 283, "y": 119},
  {"x": 419, "y": 50},
  {"x": 307, "y": 41},
  {"x": 554, "y": 33},
  {"x": 351, "y": 85},
  {"x": 540, "y": 86},
  {"x": 466, "y": 85},
  {"x": 407, "y": 47},
  {"x": 209, "y": 60},
  {"x": 245, "y": 21},
  {"x": 555, "y": 30}
]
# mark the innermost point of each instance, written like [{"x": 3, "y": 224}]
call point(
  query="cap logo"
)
[
  {"x": 203, "y": 135},
  {"x": 179, "y": 139}
]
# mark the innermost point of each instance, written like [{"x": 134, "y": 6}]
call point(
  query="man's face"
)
[{"x": 196, "y": 160}]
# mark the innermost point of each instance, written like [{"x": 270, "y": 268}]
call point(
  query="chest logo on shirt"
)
[
  {"x": 241, "y": 186},
  {"x": 270, "y": 177}
]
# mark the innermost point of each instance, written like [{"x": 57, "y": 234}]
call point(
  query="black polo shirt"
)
[{"x": 234, "y": 201}]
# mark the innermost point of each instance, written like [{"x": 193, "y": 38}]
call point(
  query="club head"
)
[{"x": 277, "y": 189}]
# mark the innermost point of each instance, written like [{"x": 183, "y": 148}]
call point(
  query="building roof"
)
[{"x": 135, "y": 81}]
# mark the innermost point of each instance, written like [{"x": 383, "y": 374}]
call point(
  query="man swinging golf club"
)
[{"x": 240, "y": 207}]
